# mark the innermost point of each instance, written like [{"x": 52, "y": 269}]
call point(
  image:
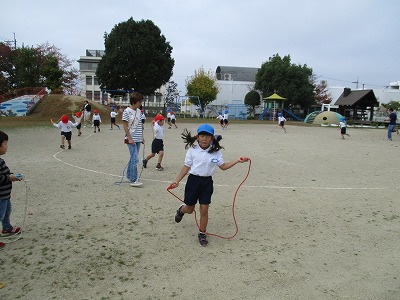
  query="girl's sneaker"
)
[
  {"x": 159, "y": 168},
  {"x": 179, "y": 215},
  {"x": 203, "y": 239},
  {"x": 11, "y": 231}
]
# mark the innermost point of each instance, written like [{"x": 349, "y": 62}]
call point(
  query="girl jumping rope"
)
[{"x": 201, "y": 162}]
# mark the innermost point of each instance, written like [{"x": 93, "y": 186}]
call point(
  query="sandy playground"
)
[{"x": 318, "y": 218}]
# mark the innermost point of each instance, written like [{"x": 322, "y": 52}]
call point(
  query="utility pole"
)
[
  {"x": 356, "y": 82},
  {"x": 12, "y": 41}
]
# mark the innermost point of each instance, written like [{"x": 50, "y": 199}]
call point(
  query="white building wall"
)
[{"x": 232, "y": 90}]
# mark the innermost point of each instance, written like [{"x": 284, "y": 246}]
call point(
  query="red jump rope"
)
[{"x": 233, "y": 207}]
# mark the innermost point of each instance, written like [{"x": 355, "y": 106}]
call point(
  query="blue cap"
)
[
  {"x": 205, "y": 128},
  {"x": 342, "y": 119},
  {"x": 280, "y": 114},
  {"x": 226, "y": 111}
]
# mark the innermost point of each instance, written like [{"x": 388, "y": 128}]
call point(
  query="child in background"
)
[
  {"x": 6, "y": 179},
  {"x": 66, "y": 132},
  {"x": 113, "y": 115},
  {"x": 77, "y": 118},
  {"x": 169, "y": 118},
  {"x": 201, "y": 162},
  {"x": 281, "y": 121},
  {"x": 157, "y": 145},
  {"x": 173, "y": 119},
  {"x": 221, "y": 119},
  {"x": 343, "y": 125},
  {"x": 142, "y": 117},
  {"x": 96, "y": 120},
  {"x": 226, "y": 119}
]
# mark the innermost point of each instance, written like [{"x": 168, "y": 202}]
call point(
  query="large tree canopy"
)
[
  {"x": 294, "y": 82},
  {"x": 137, "y": 57},
  {"x": 202, "y": 85}
]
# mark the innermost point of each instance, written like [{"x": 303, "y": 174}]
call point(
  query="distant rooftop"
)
[
  {"x": 236, "y": 73},
  {"x": 96, "y": 53}
]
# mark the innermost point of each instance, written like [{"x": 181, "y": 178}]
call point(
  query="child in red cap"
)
[
  {"x": 157, "y": 146},
  {"x": 96, "y": 120},
  {"x": 78, "y": 117},
  {"x": 66, "y": 132}
]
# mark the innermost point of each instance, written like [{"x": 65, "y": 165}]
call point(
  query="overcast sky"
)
[{"x": 342, "y": 41}]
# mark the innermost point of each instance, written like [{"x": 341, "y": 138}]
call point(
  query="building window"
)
[
  {"x": 96, "y": 96},
  {"x": 89, "y": 95},
  {"x": 87, "y": 66},
  {"x": 96, "y": 81},
  {"x": 89, "y": 80}
]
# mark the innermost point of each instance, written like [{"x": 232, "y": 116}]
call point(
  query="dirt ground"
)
[{"x": 318, "y": 218}]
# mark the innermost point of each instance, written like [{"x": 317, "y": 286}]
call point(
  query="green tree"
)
[
  {"x": 251, "y": 100},
  {"x": 137, "y": 56},
  {"x": 392, "y": 104},
  {"x": 203, "y": 85},
  {"x": 27, "y": 67},
  {"x": 51, "y": 74},
  {"x": 294, "y": 82}
]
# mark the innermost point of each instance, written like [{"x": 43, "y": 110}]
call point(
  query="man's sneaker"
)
[
  {"x": 2, "y": 245},
  {"x": 69, "y": 146},
  {"x": 136, "y": 183},
  {"x": 179, "y": 214},
  {"x": 144, "y": 161},
  {"x": 159, "y": 168},
  {"x": 62, "y": 146},
  {"x": 203, "y": 239},
  {"x": 11, "y": 231}
]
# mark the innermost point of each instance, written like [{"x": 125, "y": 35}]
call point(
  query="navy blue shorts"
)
[
  {"x": 157, "y": 145},
  {"x": 67, "y": 135},
  {"x": 198, "y": 188}
]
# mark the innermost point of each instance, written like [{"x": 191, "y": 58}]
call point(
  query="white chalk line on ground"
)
[{"x": 220, "y": 185}]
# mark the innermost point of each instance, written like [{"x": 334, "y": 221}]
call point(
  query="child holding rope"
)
[
  {"x": 6, "y": 179},
  {"x": 201, "y": 162},
  {"x": 66, "y": 132}
]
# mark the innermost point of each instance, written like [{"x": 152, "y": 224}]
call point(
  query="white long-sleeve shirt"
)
[{"x": 65, "y": 127}]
